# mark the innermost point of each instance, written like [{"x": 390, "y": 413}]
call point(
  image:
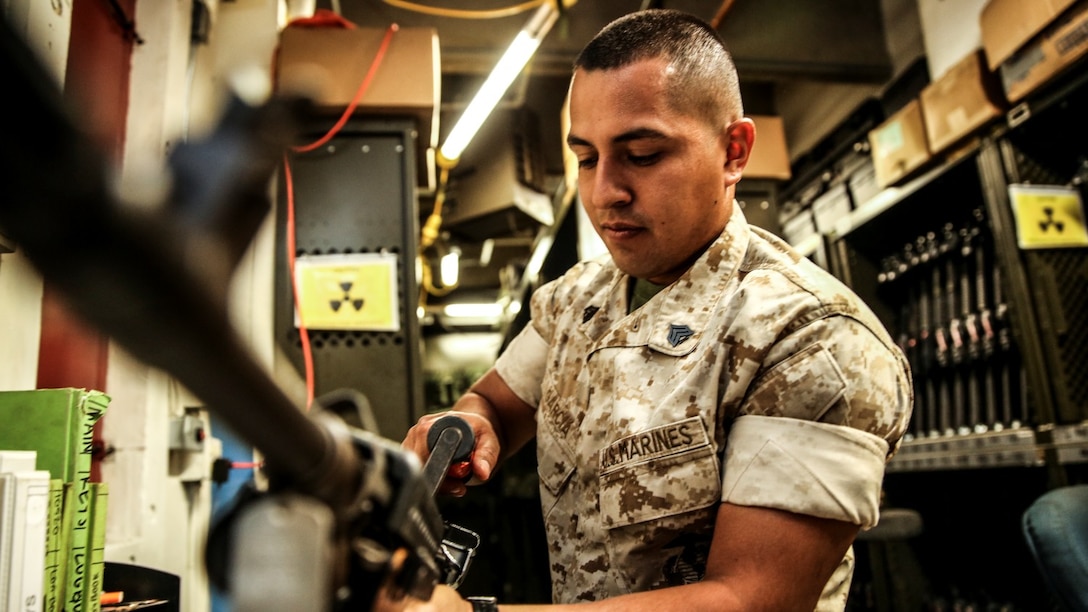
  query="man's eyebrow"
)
[
  {"x": 636, "y": 134},
  {"x": 639, "y": 134},
  {"x": 574, "y": 141}
]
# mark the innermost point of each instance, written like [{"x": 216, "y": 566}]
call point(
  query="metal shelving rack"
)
[
  {"x": 970, "y": 481},
  {"x": 1053, "y": 425}
]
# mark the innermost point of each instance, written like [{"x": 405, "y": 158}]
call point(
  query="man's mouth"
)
[{"x": 620, "y": 229}]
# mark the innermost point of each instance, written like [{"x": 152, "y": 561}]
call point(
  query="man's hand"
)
[
  {"x": 444, "y": 599},
  {"x": 501, "y": 422},
  {"x": 485, "y": 455}
]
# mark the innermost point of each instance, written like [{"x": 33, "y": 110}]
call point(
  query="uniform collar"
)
[{"x": 675, "y": 320}]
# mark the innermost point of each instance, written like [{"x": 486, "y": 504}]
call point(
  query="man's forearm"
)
[
  {"x": 513, "y": 420},
  {"x": 707, "y": 595}
]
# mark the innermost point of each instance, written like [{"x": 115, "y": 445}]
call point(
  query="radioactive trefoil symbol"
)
[
  {"x": 1050, "y": 222},
  {"x": 356, "y": 303}
]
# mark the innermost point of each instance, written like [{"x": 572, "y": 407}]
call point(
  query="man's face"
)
[{"x": 652, "y": 180}]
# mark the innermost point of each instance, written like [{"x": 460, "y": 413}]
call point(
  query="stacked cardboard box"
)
[
  {"x": 1030, "y": 43},
  {"x": 328, "y": 65}
]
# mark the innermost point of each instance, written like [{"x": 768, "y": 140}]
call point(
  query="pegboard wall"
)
[{"x": 356, "y": 195}]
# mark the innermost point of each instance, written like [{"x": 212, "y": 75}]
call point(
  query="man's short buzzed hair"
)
[{"x": 703, "y": 80}]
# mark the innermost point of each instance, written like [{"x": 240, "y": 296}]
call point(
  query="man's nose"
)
[{"x": 610, "y": 186}]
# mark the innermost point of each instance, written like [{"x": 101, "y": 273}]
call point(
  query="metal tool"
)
[{"x": 451, "y": 441}]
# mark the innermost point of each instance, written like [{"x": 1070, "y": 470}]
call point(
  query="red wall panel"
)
[{"x": 96, "y": 85}]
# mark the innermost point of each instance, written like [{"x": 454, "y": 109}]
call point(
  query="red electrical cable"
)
[
  {"x": 304, "y": 334},
  {"x": 359, "y": 93}
]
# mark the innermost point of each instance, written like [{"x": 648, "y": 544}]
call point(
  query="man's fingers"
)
[
  {"x": 481, "y": 468},
  {"x": 477, "y": 470}
]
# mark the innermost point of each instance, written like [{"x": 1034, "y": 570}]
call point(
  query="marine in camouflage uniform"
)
[
  {"x": 728, "y": 433},
  {"x": 757, "y": 378}
]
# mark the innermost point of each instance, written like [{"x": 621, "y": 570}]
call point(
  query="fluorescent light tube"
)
[
  {"x": 509, "y": 67},
  {"x": 487, "y": 310}
]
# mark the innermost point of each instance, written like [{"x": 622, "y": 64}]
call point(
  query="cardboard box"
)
[
  {"x": 1006, "y": 25},
  {"x": 1044, "y": 57},
  {"x": 964, "y": 99},
  {"x": 770, "y": 157},
  {"x": 899, "y": 145},
  {"x": 329, "y": 64}
]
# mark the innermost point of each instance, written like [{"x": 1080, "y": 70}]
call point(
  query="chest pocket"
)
[
  {"x": 555, "y": 465},
  {"x": 665, "y": 471}
]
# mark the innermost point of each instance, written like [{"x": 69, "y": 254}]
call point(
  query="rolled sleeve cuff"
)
[
  {"x": 521, "y": 365},
  {"x": 817, "y": 469}
]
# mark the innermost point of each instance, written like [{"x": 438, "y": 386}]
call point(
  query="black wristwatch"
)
[{"x": 484, "y": 604}]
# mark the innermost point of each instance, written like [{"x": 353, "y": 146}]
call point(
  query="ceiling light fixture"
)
[
  {"x": 511, "y": 64},
  {"x": 449, "y": 267},
  {"x": 483, "y": 310}
]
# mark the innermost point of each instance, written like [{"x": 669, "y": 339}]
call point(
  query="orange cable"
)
[
  {"x": 378, "y": 57},
  {"x": 304, "y": 334},
  {"x": 716, "y": 22}
]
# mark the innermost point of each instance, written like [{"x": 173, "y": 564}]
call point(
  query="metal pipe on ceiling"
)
[{"x": 719, "y": 16}]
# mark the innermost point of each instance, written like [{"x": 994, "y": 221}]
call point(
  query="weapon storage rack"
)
[
  {"x": 997, "y": 335},
  {"x": 997, "y": 339}
]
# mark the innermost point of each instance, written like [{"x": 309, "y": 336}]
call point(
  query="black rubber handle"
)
[
  {"x": 463, "y": 450},
  {"x": 450, "y": 440}
]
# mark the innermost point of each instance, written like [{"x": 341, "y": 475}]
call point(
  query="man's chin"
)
[{"x": 634, "y": 268}]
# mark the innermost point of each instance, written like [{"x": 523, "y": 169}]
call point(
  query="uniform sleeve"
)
[
  {"x": 521, "y": 365},
  {"x": 814, "y": 433},
  {"x": 837, "y": 371},
  {"x": 830, "y": 471},
  {"x": 523, "y": 362}
]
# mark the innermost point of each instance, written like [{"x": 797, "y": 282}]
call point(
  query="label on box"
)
[
  {"x": 1048, "y": 217},
  {"x": 890, "y": 139},
  {"x": 1019, "y": 67}
]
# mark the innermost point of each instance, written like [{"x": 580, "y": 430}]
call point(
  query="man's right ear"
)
[{"x": 740, "y": 134}]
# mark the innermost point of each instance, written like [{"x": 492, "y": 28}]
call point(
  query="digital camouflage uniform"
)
[{"x": 756, "y": 360}]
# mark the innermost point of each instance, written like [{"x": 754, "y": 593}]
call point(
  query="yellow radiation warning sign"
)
[
  {"x": 354, "y": 291},
  {"x": 1048, "y": 217}
]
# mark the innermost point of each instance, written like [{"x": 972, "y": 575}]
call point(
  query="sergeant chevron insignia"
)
[{"x": 679, "y": 333}]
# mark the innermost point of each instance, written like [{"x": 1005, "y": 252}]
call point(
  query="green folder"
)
[{"x": 59, "y": 425}]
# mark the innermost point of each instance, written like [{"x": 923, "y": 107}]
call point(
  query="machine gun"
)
[{"x": 349, "y": 511}]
